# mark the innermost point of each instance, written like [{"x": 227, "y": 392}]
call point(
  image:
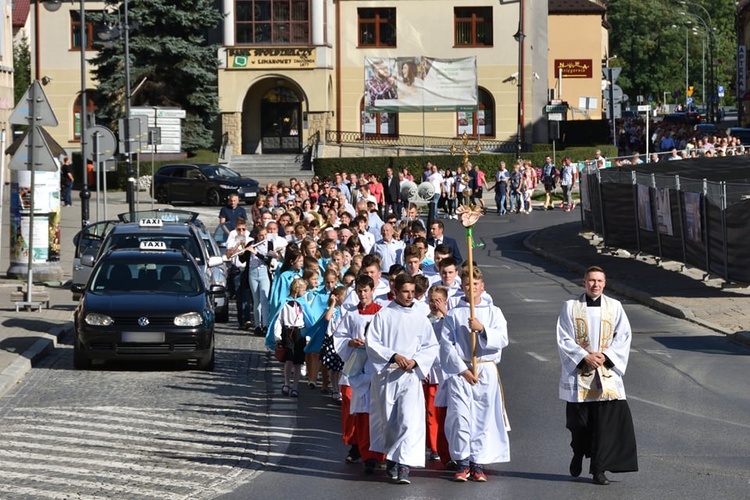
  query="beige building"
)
[
  {"x": 579, "y": 45},
  {"x": 298, "y": 77},
  {"x": 293, "y": 71},
  {"x": 56, "y": 62},
  {"x": 6, "y": 67}
]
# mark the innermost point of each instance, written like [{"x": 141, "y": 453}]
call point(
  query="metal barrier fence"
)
[{"x": 700, "y": 222}]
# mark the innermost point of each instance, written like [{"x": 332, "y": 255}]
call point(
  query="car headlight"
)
[
  {"x": 96, "y": 319},
  {"x": 188, "y": 319}
]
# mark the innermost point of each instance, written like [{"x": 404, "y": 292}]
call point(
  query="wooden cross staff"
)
[{"x": 469, "y": 217}]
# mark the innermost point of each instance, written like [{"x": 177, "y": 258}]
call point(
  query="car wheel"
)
[
  {"x": 81, "y": 361},
  {"x": 162, "y": 196},
  {"x": 208, "y": 362},
  {"x": 214, "y": 198},
  {"x": 222, "y": 315}
]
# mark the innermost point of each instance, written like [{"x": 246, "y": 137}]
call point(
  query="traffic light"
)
[{"x": 690, "y": 90}]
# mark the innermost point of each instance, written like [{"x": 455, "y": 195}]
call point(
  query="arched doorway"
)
[
  {"x": 281, "y": 121},
  {"x": 272, "y": 118}
]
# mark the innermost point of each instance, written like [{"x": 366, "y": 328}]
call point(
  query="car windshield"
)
[
  {"x": 219, "y": 172},
  {"x": 174, "y": 241},
  {"x": 178, "y": 278}
]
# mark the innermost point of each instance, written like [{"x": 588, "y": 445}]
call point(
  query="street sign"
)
[
  {"x": 43, "y": 159},
  {"x": 556, "y": 109},
  {"x": 154, "y": 136},
  {"x": 611, "y": 74},
  {"x": 107, "y": 143},
  {"x": 644, "y": 108},
  {"x": 721, "y": 90},
  {"x": 42, "y": 109},
  {"x": 689, "y": 100},
  {"x": 138, "y": 129},
  {"x": 555, "y": 117}
]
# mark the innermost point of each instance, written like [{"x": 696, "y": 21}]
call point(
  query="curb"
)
[
  {"x": 25, "y": 360},
  {"x": 639, "y": 296}
]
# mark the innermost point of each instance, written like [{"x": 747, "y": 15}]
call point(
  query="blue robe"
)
[
  {"x": 318, "y": 302},
  {"x": 306, "y": 316},
  {"x": 280, "y": 289}
]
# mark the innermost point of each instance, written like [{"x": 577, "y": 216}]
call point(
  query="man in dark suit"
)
[
  {"x": 437, "y": 237},
  {"x": 391, "y": 192}
]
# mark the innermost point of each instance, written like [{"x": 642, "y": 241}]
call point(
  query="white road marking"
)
[
  {"x": 658, "y": 352},
  {"x": 538, "y": 357},
  {"x": 692, "y": 414}
]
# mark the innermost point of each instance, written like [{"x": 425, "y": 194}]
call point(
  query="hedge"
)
[{"x": 326, "y": 167}]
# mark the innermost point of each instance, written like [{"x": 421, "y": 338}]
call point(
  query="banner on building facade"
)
[{"x": 420, "y": 84}]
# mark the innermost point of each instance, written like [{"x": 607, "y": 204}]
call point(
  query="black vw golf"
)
[{"x": 147, "y": 303}]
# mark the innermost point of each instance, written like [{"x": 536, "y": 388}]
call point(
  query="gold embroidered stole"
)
[{"x": 599, "y": 384}]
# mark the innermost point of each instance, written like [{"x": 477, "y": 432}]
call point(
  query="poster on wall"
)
[
  {"x": 663, "y": 211},
  {"x": 464, "y": 123},
  {"x": 420, "y": 84},
  {"x": 693, "y": 223},
  {"x": 645, "y": 221}
]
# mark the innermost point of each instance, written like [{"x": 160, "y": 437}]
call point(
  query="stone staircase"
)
[{"x": 273, "y": 168}]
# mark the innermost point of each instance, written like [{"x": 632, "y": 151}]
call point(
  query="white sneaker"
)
[{"x": 303, "y": 371}]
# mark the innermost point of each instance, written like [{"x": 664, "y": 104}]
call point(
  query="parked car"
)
[
  {"x": 145, "y": 303},
  {"x": 702, "y": 129},
  {"x": 743, "y": 134},
  {"x": 177, "y": 228},
  {"x": 202, "y": 183}
]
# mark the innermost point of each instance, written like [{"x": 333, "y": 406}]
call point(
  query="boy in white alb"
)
[
  {"x": 349, "y": 337},
  {"x": 475, "y": 424},
  {"x": 402, "y": 348}
]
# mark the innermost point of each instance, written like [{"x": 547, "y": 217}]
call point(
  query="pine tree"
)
[
  {"x": 21, "y": 69},
  {"x": 171, "y": 63}
]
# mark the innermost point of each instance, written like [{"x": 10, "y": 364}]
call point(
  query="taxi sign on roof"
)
[
  {"x": 153, "y": 245},
  {"x": 151, "y": 223}
]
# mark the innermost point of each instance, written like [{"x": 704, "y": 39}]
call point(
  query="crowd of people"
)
[
  {"x": 687, "y": 141},
  {"x": 359, "y": 303}
]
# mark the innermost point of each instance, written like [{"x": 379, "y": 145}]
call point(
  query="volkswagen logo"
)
[{"x": 143, "y": 321}]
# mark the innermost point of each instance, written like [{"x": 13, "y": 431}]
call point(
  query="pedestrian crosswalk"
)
[
  {"x": 106, "y": 434},
  {"x": 101, "y": 452}
]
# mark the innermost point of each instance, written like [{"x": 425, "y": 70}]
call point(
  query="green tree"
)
[
  {"x": 171, "y": 63},
  {"x": 21, "y": 69},
  {"x": 648, "y": 36}
]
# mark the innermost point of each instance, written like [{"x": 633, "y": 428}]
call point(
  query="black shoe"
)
[
  {"x": 370, "y": 465},
  {"x": 353, "y": 456},
  {"x": 576, "y": 465},
  {"x": 600, "y": 479}
]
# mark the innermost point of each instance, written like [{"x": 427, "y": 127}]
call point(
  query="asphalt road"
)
[
  {"x": 686, "y": 387},
  {"x": 145, "y": 431}
]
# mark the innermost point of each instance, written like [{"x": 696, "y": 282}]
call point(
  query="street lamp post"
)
[
  {"x": 128, "y": 159},
  {"x": 712, "y": 104},
  {"x": 53, "y": 6},
  {"x": 519, "y": 36},
  {"x": 85, "y": 193}
]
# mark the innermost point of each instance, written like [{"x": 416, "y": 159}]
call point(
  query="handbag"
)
[
  {"x": 280, "y": 352},
  {"x": 356, "y": 362}
]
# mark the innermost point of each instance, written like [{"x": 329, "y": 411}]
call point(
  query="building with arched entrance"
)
[{"x": 292, "y": 77}]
